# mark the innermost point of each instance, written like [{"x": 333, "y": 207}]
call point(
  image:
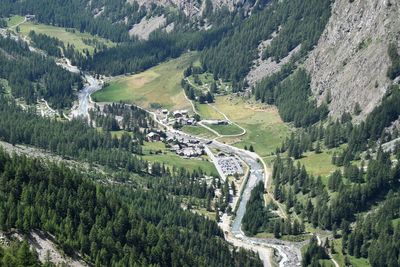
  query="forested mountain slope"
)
[
  {"x": 334, "y": 88},
  {"x": 108, "y": 225},
  {"x": 32, "y": 76}
]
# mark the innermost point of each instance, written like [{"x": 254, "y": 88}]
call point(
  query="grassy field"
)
[
  {"x": 207, "y": 112},
  {"x": 340, "y": 258},
  {"x": 72, "y": 37},
  {"x": 265, "y": 129},
  {"x": 160, "y": 85},
  {"x": 198, "y": 131},
  {"x": 171, "y": 159},
  {"x": 119, "y": 134},
  {"x": 206, "y": 79},
  {"x": 229, "y": 129},
  {"x": 318, "y": 164},
  {"x": 208, "y": 214},
  {"x": 14, "y": 20}
]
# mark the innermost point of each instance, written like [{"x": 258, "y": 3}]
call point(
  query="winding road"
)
[{"x": 288, "y": 252}]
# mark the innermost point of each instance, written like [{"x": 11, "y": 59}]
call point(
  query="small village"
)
[
  {"x": 177, "y": 117},
  {"x": 182, "y": 146}
]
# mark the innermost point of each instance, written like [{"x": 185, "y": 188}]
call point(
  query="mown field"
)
[
  {"x": 198, "y": 131},
  {"x": 318, "y": 164},
  {"x": 73, "y": 37},
  {"x": 265, "y": 128},
  {"x": 171, "y": 159},
  {"x": 207, "y": 112},
  {"x": 229, "y": 129},
  {"x": 340, "y": 258},
  {"x": 157, "y": 87},
  {"x": 14, "y": 20}
]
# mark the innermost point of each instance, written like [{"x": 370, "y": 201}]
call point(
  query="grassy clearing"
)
[
  {"x": 160, "y": 85},
  {"x": 326, "y": 263},
  {"x": 204, "y": 81},
  {"x": 71, "y": 36},
  {"x": 207, "y": 112},
  {"x": 340, "y": 258},
  {"x": 119, "y": 134},
  {"x": 208, "y": 214},
  {"x": 14, "y": 20},
  {"x": 198, "y": 131},
  {"x": 318, "y": 164},
  {"x": 172, "y": 160},
  {"x": 265, "y": 128},
  {"x": 229, "y": 129}
]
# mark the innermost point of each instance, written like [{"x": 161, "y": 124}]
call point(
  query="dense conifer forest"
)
[
  {"x": 141, "y": 55},
  {"x": 70, "y": 14},
  {"x": 20, "y": 254},
  {"x": 33, "y": 76},
  {"x": 349, "y": 192},
  {"x": 139, "y": 213},
  {"x": 300, "y": 23},
  {"x": 108, "y": 225},
  {"x": 292, "y": 97}
]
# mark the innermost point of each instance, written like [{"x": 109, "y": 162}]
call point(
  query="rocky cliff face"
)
[
  {"x": 351, "y": 59},
  {"x": 193, "y": 8}
]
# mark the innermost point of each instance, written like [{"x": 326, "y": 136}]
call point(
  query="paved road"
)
[{"x": 289, "y": 252}]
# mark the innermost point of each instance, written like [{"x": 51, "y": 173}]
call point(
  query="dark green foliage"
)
[
  {"x": 335, "y": 180},
  {"x": 366, "y": 133},
  {"x": 264, "y": 90},
  {"x": 359, "y": 137},
  {"x": 109, "y": 225},
  {"x": 313, "y": 254},
  {"x": 52, "y": 46},
  {"x": 296, "y": 145},
  {"x": 300, "y": 22},
  {"x": 140, "y": 55},
  {"x": 3, "y": 23},
  {"x": 190, "y": 91},
  {"x": 357, "y": 189},
  {"x": 69, "y": 139},
  {"x": 19, "y": 254},
  {"x": 292, "y": 97},
  {"x": 195, "y": 94},
  {"x": 376, "y": 237},
  {"x": 256, "y": 217},
  {"x": 394, "y": 69},
  {"x": 132, "y": 118},
  {"x": 33, "y": 76},
  {"x": 70, "y": 14}
]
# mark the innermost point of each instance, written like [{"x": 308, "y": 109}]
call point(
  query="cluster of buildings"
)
[
  {"x": 153, "y": 137},
  {"x": 229, "y": 165},
  {"x": 178, "y": 116},
  {"x": 30, "y": 17},
  {"x": 185, "y": 147}
]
